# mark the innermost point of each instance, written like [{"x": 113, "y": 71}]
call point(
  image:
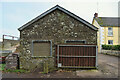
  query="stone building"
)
[{"x": 39, "y": 37}]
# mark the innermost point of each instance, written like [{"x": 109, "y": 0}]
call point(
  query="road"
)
[
  {"x": 107, "y": 68},
  {"x": 108, "y": 65}
]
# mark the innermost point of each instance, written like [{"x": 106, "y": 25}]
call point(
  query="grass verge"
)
[
  {"x": 16, "y": 70},
  {"x": 2, "y": 67}
]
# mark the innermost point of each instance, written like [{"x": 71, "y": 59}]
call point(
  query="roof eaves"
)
[
  {"x": 62, "y": 9},
  {"x": 101, "y": 21},
  {"x": 78, "y": 18},
  {"x": 38, "y": 17}
]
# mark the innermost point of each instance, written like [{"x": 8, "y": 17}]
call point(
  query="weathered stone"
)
[
  {"x": 12, "y": 61},
  {"x": 57, "y": 27}
]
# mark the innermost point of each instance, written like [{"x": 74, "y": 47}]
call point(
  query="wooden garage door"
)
[
  {"x": 41, "y": 49},
  {"x": 76, "y": 56}
]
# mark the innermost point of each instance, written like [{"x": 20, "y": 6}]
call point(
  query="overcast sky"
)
[{"x": 13, "y": 14}]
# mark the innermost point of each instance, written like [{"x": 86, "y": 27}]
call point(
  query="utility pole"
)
[{"x": 3, "y": 42}]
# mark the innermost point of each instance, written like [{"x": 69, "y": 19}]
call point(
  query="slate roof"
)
[
  {"x": 108, "y": 21},
  {"x": 63, "y": 10}
]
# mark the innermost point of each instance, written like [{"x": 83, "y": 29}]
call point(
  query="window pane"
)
[
  {"x": 110, "y": 28},
  {"x": 110, "y": 31},
  {"x": 110, "y": 41}
]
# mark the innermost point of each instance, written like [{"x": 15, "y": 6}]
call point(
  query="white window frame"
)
[
  {"x": 110, "y": 42},
  {"x": 110, "y": 32}
]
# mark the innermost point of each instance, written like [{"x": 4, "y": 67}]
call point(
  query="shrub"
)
[{"x": 111, "y": 47}]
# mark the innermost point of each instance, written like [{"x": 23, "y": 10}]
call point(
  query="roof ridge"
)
[
  {"x": 108, "y": 17},
  {"x": 108, "y": 21},
  {"x": 62, "y": 9}
]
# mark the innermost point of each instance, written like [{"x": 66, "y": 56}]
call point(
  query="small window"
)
[
  {"x": 41, "y": 48},
  {"x": 76, "y": 41},
  {"x": 110, "y": 31},
  {"x": 110, "y": 42}
]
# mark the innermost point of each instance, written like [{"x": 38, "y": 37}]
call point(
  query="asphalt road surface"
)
[{"x": 107, "y": 68}]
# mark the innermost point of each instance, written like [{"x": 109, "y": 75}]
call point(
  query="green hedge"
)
[{"x": 111, "y": 47}]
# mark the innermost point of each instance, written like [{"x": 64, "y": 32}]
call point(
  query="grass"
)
[
  {"x": 2, "y": 67},
  {"x": 16, "y": 70}
]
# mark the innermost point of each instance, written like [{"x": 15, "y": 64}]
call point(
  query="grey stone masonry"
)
[{"x": 56, "y": 26}]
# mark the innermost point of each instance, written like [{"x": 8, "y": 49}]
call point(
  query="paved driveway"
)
[
  {"x": 108, "y": 65},
  {"x": 108, "y": 68}
]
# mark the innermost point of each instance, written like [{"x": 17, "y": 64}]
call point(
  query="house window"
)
[
  {"x": 41, "y": 48},
  {"x": 76, "y": 41},
  {"x": 110, "y": 42},
  {"x": 110, "y": 31}
]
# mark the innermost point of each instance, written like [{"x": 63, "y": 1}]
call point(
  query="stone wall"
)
[
  {"x": 7, "y": 43},
  {"x": 111, "y": 52},
  {"x": 56, "y": 26},
  {"x": 12, "y": 61}
]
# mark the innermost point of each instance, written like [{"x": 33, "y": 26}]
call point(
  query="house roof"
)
[
  {"x": 63, "y": 10},
  {"x": 108, "y": 21}
]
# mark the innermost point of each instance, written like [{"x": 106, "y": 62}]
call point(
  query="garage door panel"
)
[{"x": 76, "y": 56}]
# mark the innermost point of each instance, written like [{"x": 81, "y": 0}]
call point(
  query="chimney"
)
[{"x": 95, "y": 15}]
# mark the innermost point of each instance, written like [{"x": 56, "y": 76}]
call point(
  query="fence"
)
[
  {"x": 76, "y": 56},
  {"x": 12, "y": 61}
]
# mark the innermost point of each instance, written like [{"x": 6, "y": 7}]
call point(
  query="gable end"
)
[{"x": 63, "y": 10}]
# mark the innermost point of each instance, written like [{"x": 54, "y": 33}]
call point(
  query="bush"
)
[
  {"x": 2, "y": 67},
  {"x": 111, "y": 47}
]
